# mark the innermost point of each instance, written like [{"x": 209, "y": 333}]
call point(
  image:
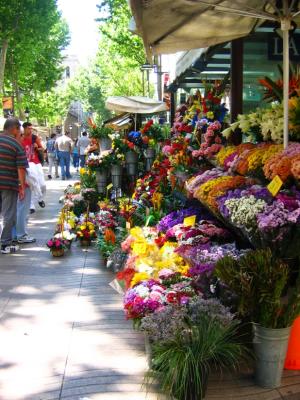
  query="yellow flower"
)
[
  {"x": 210, "y": 115},
  {"x": 139, "y": 277}
]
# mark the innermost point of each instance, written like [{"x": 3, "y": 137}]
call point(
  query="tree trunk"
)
[{"x": 3, "y": 53}]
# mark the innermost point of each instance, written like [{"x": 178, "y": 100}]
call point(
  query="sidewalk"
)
[{"x": 63, "y": 333}]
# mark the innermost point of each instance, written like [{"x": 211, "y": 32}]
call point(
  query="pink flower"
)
[
  {"x": 50, "y": 243},
  {"x": 57, "y": 243}
]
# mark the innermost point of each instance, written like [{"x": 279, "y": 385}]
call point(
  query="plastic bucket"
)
[
  {"x": 292, "y": 360},
  {"x": 105, "y": 144},
  {"x": 270, "y": 346}
]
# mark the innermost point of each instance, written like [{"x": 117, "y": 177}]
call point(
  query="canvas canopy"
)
[
  {"x": 168, "y": 26},
  {"x": 135, "y": 105}
]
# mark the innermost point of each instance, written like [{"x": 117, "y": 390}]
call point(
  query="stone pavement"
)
[
  {"x": 62, "y": 331},
  {"x": 63, "y": 335}
]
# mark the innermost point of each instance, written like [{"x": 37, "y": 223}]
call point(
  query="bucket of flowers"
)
[
  {"x": 85, "y": 233},
  {"x": 57, "y": 246}
]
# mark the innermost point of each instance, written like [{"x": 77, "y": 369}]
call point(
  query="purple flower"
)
[{"x": 199, "y": 269}]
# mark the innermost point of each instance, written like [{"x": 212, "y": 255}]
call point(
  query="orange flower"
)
[{"x": 110, "y": 236}]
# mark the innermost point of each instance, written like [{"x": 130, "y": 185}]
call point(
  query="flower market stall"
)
[{"x": 202, "y": 236}]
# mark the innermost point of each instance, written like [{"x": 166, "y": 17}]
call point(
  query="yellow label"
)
[
  {"x": 275, "y": 185},
  {"x": 190, "y": 221},
  {"x": 108, "y": 187},
  {"x": 128, "y": 226}
]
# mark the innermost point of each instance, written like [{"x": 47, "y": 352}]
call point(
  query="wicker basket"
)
[{"x": 58, "y": 252}]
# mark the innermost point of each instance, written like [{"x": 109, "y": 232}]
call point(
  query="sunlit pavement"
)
[{"x": 62, "y": 332}]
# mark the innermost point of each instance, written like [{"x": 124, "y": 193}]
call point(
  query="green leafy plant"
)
[
  {"x": 100, "y": 132},
  {"x": 261, "y": 281},
  {"x": 182, "y": 364}
]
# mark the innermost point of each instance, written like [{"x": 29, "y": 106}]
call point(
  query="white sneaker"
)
[
  {"x": 9, "y": 249},
  {"x": 26, "y": 239}
]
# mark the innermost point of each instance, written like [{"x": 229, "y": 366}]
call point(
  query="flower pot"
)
[
  {"x": 57, "y": 252},
  {"x": 101, "y": 179},
  {"x": 131, "y": 159},
  {"x": 85, "y": 242},
  {"x": 105, "y": 144},
  {"x": 116, "y": 176},
  {"x": 150, "y": 157},
  {"x": 270, "y": 347}
]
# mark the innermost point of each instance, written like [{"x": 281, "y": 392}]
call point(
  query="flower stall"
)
[{"x": 195, "y": 234}]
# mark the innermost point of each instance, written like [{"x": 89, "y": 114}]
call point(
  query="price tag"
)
[
  {"x": 108, "y": 187},
  {"x": 190, "y": 221},
  {"x": 128, "y": 226},
  {"x": 275, "y": 185}
]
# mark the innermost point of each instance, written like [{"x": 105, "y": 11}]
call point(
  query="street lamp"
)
[{"x": 27, "y": 113}]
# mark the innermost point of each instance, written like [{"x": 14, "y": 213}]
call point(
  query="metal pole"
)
[
  {"x": 159, "y": 80},
  {"x": 143, "y": 75},
  {"x": 285, "y": 27},
  {"x": 148, "y": 82}
]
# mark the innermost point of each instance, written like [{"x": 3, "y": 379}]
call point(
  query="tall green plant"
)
[
  {"x": 260, "y": 281},
  {"x": 182, "y": 364}
]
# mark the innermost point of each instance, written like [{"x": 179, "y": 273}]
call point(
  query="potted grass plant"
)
[
  {"x": 186, "y": 342},
  {"x": 261, "y": 283}
]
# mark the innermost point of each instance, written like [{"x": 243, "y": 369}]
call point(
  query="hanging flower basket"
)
[
  {"x": 57, "y": 252},
  {"x": 131, "y": 159}
]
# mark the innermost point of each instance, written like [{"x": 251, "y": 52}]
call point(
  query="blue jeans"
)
[
  {"x": 23, "y": 208},
  {"x": 82, "y": 160},
  {"x": 75, "y": 160},
  {"x": 64, "y": 161}
]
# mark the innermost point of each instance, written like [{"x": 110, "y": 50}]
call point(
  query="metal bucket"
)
[
  {"x": 270, "y": 346},
  {"x": 131, "y": 159},
  {"x": 101, "y": 179},
  {"x": 105, "y": 144},
  {"x": 150, "y": 157},
  {"x": 116, "y": 176}
]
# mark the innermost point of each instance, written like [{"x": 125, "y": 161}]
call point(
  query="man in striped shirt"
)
[{"x": 13, "y": 164}]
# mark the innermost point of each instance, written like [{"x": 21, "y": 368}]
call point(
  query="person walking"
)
[
  {"x": 83, "y": 143},
  {"x": 33, "y": 147},
  {"x": 13, "y": 164},
  {"x": 75, "y": 155},
  {"x": 52, "y": 156},
  {"x": 64, "y": 145}
]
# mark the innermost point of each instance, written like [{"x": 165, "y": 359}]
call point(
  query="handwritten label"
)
[
  {"x": 108, "y": 187},
  {"x": 128, "y": 226},
  {"x": 190, "y": 221},
  {"x": 275, "y": 185}
]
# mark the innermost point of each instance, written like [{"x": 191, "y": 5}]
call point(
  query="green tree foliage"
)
[{"x": 32, "y": 34}]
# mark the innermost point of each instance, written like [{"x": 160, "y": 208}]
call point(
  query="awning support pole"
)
[{"x": 285, "y": 27}]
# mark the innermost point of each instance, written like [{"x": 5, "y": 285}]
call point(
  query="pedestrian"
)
[
  {"x": 33, "y": 147},
  {"x": 83, "y": 143},
  {"x": 75, "y": 154},
  {"x": 13, "y": 164},
  {"x": 64, "y": 145},
  {"x": 52, "y": 156}
]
